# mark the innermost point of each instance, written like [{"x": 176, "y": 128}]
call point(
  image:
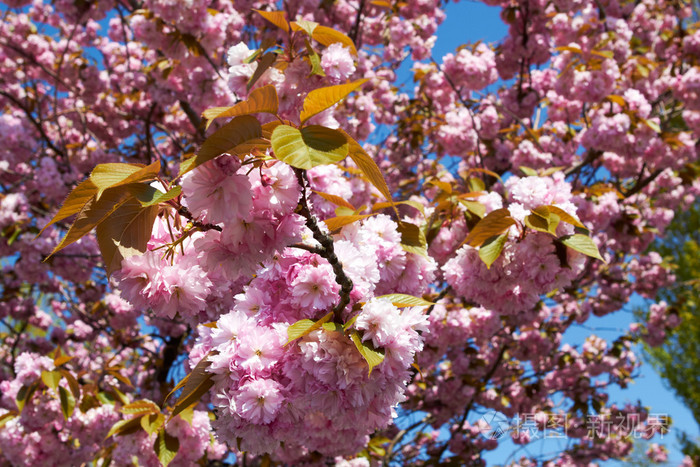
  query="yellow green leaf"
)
[
  {"x": 51, "y": 378},
  {"x": 6, "y": 417},
  {"x": 495, "y": 223},
  {"x": 165, "y": 447},
  {"x": 125, "y": 233},
  {"x": 260, "y": 100},
  {"x": 150, "y": 196},
  {"x": 309, "y": 147},
  {"x": 304, "y": 327},
  {"x": 583, "y": 244},
  {"x": 237, "y": 131},
  {"x": 106, "y": 176},
  {"x": 491, "y": 249},
  {"x": 152, "y": 422},
  {"x": 372, "y": 356},
  {"x": 401, "y": 300},
  {"x": 565, "y": 216},
  {"x": 303, "y": 25},
  {"x": 321, "y": 99}
]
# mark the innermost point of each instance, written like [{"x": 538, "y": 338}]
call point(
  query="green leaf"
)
[
  {"x": 237, "y": 131},
  {"x": 140, "y": 407},
  {"x": 321, "y": 99},
  {"x": 67, "y": 402},
  {"x": 491, "y": 249},
  {"x": 304, "y": 327},
  {"x": 260, "y": 100},
  {"x": 106, "y": 176},
  {"x": 165, "y": 447},
  {"x": 150, "y": 196},
  {"x": 372, "y": 356},
  {"x": 401, "y": 300},
  {"x": 51, "y": 378},
  {"x": 474, "y": 207},
  {"x": 309, "y": 147},
  {"x": 196, "y": 384},
  {"x": 583, "y": 244},
  {"x": 125, "y": 233},
  {"x": 314, "y": 61},
  {"x": 495, "y": 223},
  {"x": 528, "y": 171},
  {"x": 563, "y": 215},
  {"x": 152, "y": 422}
]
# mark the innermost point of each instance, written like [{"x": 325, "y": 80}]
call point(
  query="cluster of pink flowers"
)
[{"x": 266, "y": 388}]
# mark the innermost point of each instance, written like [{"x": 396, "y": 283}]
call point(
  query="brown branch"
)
[{"x": 326, "y": 251}]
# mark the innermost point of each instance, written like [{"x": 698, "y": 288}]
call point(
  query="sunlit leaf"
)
[
  {"x": 309, "y": 147},
  {"x": 260, "y": 100},
  {"x": 402, "y": 300},
  {"x": 140, "y": 407},
  {"x": 75, "y": 201},
  {"x": 51, "y": 378},
  {"x": 304, "y": 327},
  {"x": 125, "y": 233},
  {"x": 303, "y": 25},
  {"x": 165, "y": 447},
  {"x": 372, "y": 356},
  {"x": 6, "y": 417},
  {"x": 93, "y": 213},
  {"x": 197, "y": 383},
  {"x": 491, "y": 249},
  {"x": 321, "y": 99},
  {"x": 106, "y": 176},
  {"x": 338, "y": 222},
  {"x": 337, "y": 200},
  {"x": 150, "y": 196},
  {"x": 125, "y": 427},
  {"x": 583, "y": 244},
  {"x": 369, "y": 168},
  {"x": 152, "y": 422},
  {"x": 236, "y": 132},
  {"x": 278, "y": 18},
  {"x": 327, "y": 36},
  {"x": 495, "y": 223}
]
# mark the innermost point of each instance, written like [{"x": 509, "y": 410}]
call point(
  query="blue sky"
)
[{"x": 469, "y": 21}]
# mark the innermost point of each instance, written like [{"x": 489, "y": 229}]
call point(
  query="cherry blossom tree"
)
[{"x": 232, "y": 234}]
